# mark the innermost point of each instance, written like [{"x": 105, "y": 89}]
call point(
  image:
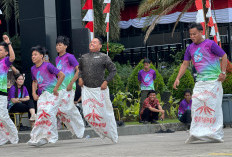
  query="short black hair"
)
[
  {"x": 39, "y": 49},
  {"x": 188, "y": 91},
  {"x": 146, "y": 61},
  {"x": 5, "y": 46},
  {"x": 152, "y": 91},
  {"x": 198, "y": 26},
  {"x": 63, "y": 39},
  {"x": 100, "y": 40}
]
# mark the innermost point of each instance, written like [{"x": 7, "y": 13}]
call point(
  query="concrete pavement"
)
[{"x": 146, "y": 145}]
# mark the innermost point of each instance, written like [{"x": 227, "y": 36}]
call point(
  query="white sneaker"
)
[{"x": 41, "y": 142}]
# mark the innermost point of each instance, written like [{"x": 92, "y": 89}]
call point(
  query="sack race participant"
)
[
  {"x": 44, "y": 75},
  {"x": 8, "y": 131},
  {"x": 67, "y": 111},
  {"x": 97, "y": 107},
  {"x": 207, "y": 119}
]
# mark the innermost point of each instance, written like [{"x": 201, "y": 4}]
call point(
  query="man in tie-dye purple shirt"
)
[{"x": 207, "y": 92}]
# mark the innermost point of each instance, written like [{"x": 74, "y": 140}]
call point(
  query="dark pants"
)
[
  {"x": 22, "y": 107},
  {"x": 149, "y": 115},
  {"x": 186, "y": 117},
  {"x": 143, "y": 97}
]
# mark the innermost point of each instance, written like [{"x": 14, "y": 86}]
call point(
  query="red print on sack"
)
[
  {"x": 206, "y": 109},
  {"x": 69, "y": 96},
  {"x": 64, "y": 101},
  {"x": 7, "y": 133},
  {"x": 1, "y": 125},
  {"x": 59, "y": 113},
  {"x": 49, "y": 132},
  {"x": 44, "y": 114},
  {"x": 93, "y": 115}
]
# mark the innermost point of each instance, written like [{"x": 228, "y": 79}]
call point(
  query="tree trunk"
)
[{"x": 205, "y": 10}]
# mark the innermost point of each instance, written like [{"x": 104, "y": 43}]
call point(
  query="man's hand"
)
[
  {"x": 176, "y": 83},
  {"x": 81, "y": 82},
  {"x": 6, "y": 39},
  {"x": 104, "y": 85},
  {"x": 55, "y": 92},
  {"x": 35, "y": 97},
  {"x": 222, "y": 77},
  {"x": 69, "y": 87}
]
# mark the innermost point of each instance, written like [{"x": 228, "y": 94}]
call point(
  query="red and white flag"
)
[
  {"x": 89, "y": 17},
  {"x": 107, "y": 21}
]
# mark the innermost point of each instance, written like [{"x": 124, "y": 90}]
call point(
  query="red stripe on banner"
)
[
  {"x": 107, "y": 27},
  {"x": 0, "y": 22},
  {"x": 215, "y": 39},
  {"x": 107, "y": 8},
  {"x": 88, "y": 5},
  {"x": 216, "y": 28},
  {"x": 198, "y": 4},
  {"x": 203, "y": 25},
  {"x": 207, "y": 5},
  {"x": 211, "y": 24},
  {"x": 131, "y": 12},
  {"x": 89, "y": 25}
]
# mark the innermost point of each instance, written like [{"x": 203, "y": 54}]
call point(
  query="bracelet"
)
[{"x": 9, "y": 43}]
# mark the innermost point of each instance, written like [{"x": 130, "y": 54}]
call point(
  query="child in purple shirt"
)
[
  {"x": 44, "y": 75},
  {"x": 8, "y": 131},
  {"x": 68, "y": 113},
  {"x": 184, "y": 111}
]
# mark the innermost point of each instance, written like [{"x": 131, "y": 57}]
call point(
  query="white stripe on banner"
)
[
  {"x": 107, "y": 1},
  {"x": 222, "y": 16},
  {"x": 0, "y": 12},
  {"x": 89, "y": 16},
  {"x": 107, "y": 17}
]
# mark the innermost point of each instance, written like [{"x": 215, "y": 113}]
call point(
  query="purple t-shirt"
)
[
  {"x": 184, "y": 105},
  {"x": 205, "y": 57},
  {"x": 11, "y": 93},
  {"x": 4, "y": 67},
  {"x": 67, "y": 64},
  {"x": 147, "y": 79},
  {"x": 45, "y": 75}
]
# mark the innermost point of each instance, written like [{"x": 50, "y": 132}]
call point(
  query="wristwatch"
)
[{"x": 223, "y": 72}]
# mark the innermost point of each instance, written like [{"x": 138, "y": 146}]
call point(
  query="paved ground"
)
[{"x": 168, "y": 144}]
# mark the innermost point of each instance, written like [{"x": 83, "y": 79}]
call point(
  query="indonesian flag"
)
[
  {"x": 89, "y": 17},
  {"x": 107, "y": 21},
  {"x": 0, "y": 14}
]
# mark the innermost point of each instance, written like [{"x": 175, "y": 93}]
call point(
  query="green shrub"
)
[
  {"x": 124, "y": 71},
  {"x": 133, "y": 83},
  {"x": 166, "y": 70},
  {"x": 186, "y": 82},
  {"x": 114, "y": 49},
  {"x": 116, "y": 84},
  {"x": 227, "y": 84}
]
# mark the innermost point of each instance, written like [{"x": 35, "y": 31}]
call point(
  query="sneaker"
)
[
  {"x": 41, "y": 142},
  {"x": 33, "y": 118}
]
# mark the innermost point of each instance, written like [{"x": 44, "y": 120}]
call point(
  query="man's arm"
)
[
  {"x": 222, "y": 76},
  {"x": 34, "y": 88},
  {"x": 182, "y": 71},
  {"x": 60, "y": 79},
  {"x": 11, "y": 50},
  {"x": 74, "y": 79}
]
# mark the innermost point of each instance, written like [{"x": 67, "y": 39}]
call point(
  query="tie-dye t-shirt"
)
[
  {"x": 184, "y": 106},
  {"x": 45, "y": 75},
  {"x": 147, "y": 79},
  {"x": 4, "y": 67},
  {"x": 67, "y": 64},
  {"x": 205, "y": 57}
]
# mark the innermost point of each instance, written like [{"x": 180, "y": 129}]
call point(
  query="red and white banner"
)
[
  {"x": 107, "y": 21},
  {"x": 221, "y": 9},
  {"x": 89, "y": 17}
]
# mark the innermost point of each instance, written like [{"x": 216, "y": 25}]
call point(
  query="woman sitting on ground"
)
[
  {"x": 151, "y": 109},
  {"x": 19, "y": 100}
]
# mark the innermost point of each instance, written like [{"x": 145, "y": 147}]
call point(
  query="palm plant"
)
[
  {"x": 162, "y": 7},
  {"x": 10, "y": 7},
  {"x": 99, "y": 18}
]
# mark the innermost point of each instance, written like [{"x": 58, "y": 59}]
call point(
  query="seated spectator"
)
[
  {"x": 11, "y": 76},
  {"x": 184, "y": 112},
  {"x": 19, "y": 100},
  {"x": 151, "y": 109}
]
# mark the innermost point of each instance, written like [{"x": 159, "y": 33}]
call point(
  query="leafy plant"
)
[
  {"x": 116, "y": 84},
  {"x": 133, "y": 83},
  {"x": 186, "y": 82},
  {"x": 173, "y": 110},
  {"x": 114, "y": 49},
  {"x": 227, "y": 84},
  {"x": 124, "y": 71}
]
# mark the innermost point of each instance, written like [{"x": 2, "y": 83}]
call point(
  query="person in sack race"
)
[
  {"x": 184, "y": 111},
  {"x": 8, "y": 131},
  {"x": 19, "y": 99},
  {"x": 45, "y": 75},
  {"x": 207, "y": 118},
  {"x": 97, "y": 107},
  {"x": 146, "y": 78},
  {"x": 67, "y": 111},
  {"x": 151, "y": 109}
]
